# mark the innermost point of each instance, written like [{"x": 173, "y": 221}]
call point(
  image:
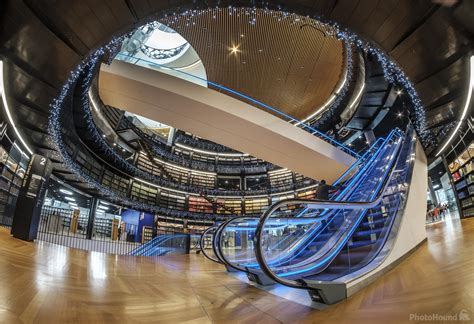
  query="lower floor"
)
[{"x": 46, "y": 283}]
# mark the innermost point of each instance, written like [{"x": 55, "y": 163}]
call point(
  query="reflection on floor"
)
[
  {"x": 448, "y": 216},
  {"x": 53, "y": 284}
]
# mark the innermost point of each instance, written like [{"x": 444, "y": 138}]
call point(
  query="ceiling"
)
[
  {"x": 42, "y": 41},
  {"x": 294, "y": 69}
]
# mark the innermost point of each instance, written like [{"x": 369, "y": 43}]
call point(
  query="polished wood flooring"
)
[{"x": 45, "y": 283}]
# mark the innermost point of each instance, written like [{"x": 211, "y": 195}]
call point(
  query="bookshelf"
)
[
  {"x": 12, "y": 171},
  {"x": 199, "y": 204},
  {"x": 256, "y": 206},
  {"x": 461, "y": 170},
  {"x": 147, "y": 234},
  {"x": 172, "y": 200},
  {"x": 309, "y": 194},
  {"x": 144, "y": 193},
  {"x": 234, "y": 204}
]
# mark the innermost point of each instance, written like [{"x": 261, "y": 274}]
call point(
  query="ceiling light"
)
[
  {"x": 103, "y": 207},
  {"x": 69, "y": 198},
  {"x": 399, "y": 92},
  {"x": 66, "y": 192},
  {"x": 234, "y": 49}
]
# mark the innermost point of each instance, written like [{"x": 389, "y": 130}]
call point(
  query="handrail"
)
[
  {"x": 289, "y": 118},
  {"x": 219, "y": 245},
  {"x": 202, "y": 241},
  {"x": 216, "y": 242},
  {"x": 315, "y": 204},
  {"x": 226, "y": 223}
]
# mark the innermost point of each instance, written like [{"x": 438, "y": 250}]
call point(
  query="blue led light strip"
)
[
  {"x": 344, "y": 241},
  {"x": 313, "y": 130},
  {"x": 314, "y": 229},
  {"x": 340, "y": 196}
]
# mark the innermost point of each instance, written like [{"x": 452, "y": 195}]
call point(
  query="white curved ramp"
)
[{"x": 219, "y": 118}]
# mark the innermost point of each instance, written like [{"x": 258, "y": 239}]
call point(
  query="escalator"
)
[
  {"x": 240, "y": 254},
  {"x": 206, "y": 244},
  {"x": 354, "y": 233},
  {"x": 162, "y": 245}
]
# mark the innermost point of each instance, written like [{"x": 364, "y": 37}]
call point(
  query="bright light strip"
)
[
  {"x": 182, "y": 68},
  {"x": 328, "y": 102},
  {"x": 466, "y": 107},
  {"x": 279, "y": 171},
  {"x": 356, "y": 99},
  {"x": 7, "y": 111},
  {"x": 67, "y": 192},
  {"x": 156, "y": 186},
  {"x": 210, "y": 152},
  {"x": 331, "y": 99},
  {"x": 69, "y": 198},
  {"x": 184, "y": 169},
  {"x": 103, "y": 207}
]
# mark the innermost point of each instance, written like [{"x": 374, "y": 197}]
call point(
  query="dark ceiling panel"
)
[
  {"x": 430, "y": 46},
  {"x": 443, "y": 114},
  {"x": 87, "y": 23},
  {"x": 145, "y": 8},
  {"x": 450, "y": 79},
  {"x": 27, "y": 41},
  {"x": 22, "y": 86},
  {"x": 47, "y": 38}
]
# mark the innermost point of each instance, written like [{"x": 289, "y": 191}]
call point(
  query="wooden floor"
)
[{"x": 51, "y": 284}]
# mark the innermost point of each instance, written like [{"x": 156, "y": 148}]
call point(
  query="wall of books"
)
[{"x": 463, "y": 177}]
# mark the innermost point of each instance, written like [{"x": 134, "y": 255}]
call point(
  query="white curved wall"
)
[{"x": 219, "y": 118}]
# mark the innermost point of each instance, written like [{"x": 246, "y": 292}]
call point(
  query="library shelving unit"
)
[
  {"x": 256, "y": 205},
  {"x": 103, "y": 226},
  {"x": 225, "y": 205},
  {"x": 147, "y": 234},
  {"x": 308, "y": 194},
  {"x": 199, "y": 204},
  {"x": 172, "y": 200},
  {"x": 12, "y": 171},
  {"x": 115, "y": 182},
  {"x": 463, "y": 176},
  {"x": 144, "y": 193}
]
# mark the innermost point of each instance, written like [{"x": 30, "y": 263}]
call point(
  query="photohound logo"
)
[{"x": 463, "y": 315}]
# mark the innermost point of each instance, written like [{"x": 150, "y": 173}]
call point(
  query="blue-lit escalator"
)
[
  {"x": 162, "y": 245},
  {"x": 243, "y": 259},
  {"x": 353, "y": 232}
]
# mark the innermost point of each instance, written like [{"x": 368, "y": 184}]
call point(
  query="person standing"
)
[{"x": 322, "y": 191}]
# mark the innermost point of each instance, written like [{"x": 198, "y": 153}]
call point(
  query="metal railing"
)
[{"x": 223, "y": 89}]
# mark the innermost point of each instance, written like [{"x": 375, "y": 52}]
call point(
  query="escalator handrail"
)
[
  {"x": 202, "y": 240},
  {"x": 217, "y": 235},
  {"x": 315, "y": 204},
  {"x": 216, "y": 241}
]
